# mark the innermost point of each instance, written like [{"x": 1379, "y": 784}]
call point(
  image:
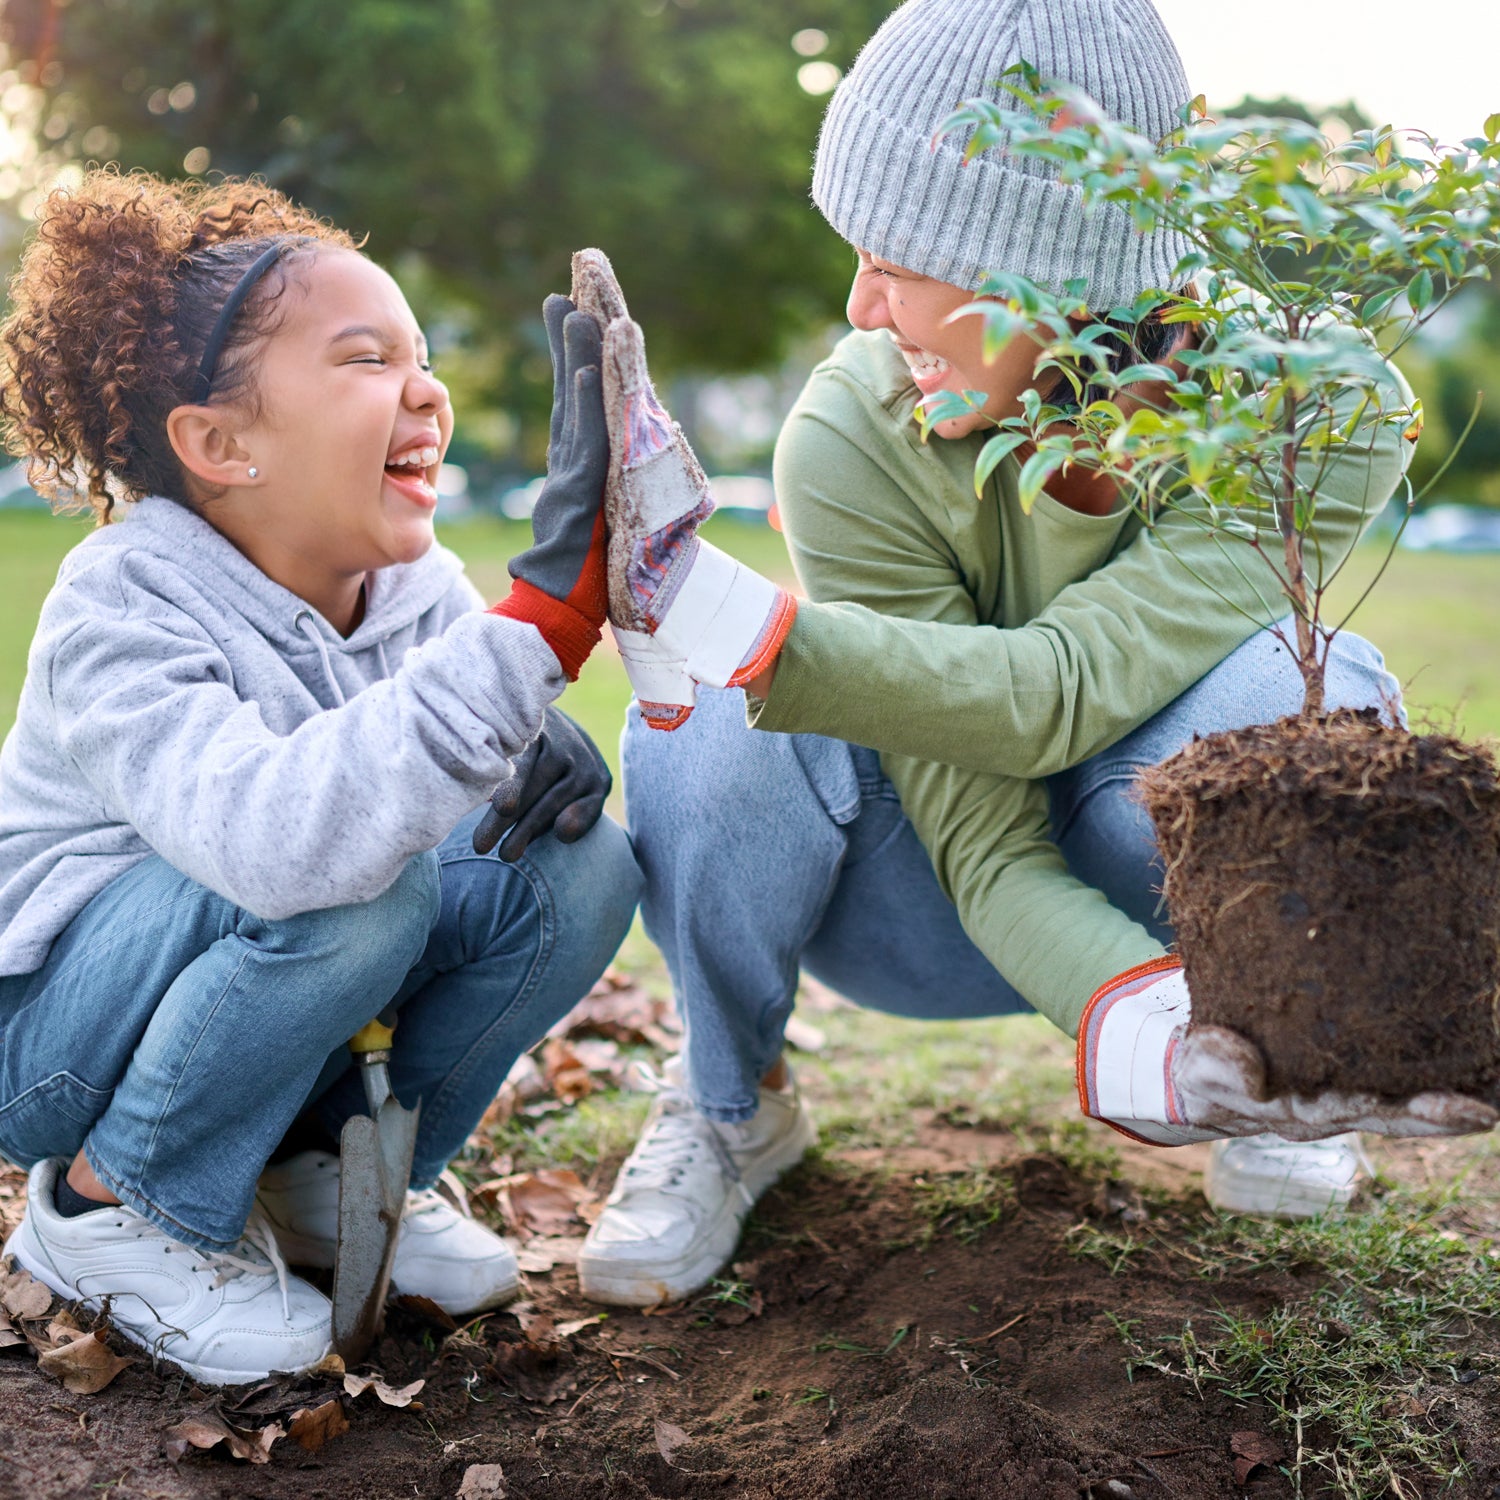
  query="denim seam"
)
[
  {"x": 459, "y": 1074},
  {"x": 136, "y": 1200},
  {"x": 737, "y": 1114},
  {"x": 1121, "y": 770},
  {"x": 166, "y": 1107}
]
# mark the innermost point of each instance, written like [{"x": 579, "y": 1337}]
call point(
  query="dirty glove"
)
[
  {"x": 682, "y": 612},
  {"x": 1141, "y": 1070},
  {"x": 559, "y": 786},
  {"x": 560, "y": 580}
]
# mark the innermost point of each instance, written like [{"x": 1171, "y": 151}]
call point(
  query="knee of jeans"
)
[
  {"x": 390, "y": 932},
  {"x": 594, "y": 884}
]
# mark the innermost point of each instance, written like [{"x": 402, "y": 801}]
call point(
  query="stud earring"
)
[{"x": 253, "y": 472}]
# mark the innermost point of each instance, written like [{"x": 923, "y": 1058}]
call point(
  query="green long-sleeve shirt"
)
[{"x": 980, "y": 649}]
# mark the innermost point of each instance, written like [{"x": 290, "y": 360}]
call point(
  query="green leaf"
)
[
  {"x": 999, "y": 447},
  {"x": 1035, "y": 473},
  {"x": 1419, "y": 292},
  {"x": 1492, "y": 128}
]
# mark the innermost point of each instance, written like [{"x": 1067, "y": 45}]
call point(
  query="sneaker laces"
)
[
  {"x": 674, "y": 1136},
  {"x": 264, "y": 1258},
  {"x": 421, "y": 1201}
]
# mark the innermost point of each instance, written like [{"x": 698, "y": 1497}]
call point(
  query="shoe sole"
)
[
  {"x": 1275, "y": 1200},
  {"x": 603, "y": 1279},
  {"x": 38, "y": 1270}
]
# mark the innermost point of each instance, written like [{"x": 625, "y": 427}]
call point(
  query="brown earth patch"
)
[
  {"x": 856, "y": 1355},
  {"x": 1335, "y": 890}
]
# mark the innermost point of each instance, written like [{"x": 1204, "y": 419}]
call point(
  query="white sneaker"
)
[
  {"x": 443, "y": 1253},
  {"x": 681, "y": 1198},
  {"x": 1264, "y": 1174},
  {"x": 227, "y": 1317}
]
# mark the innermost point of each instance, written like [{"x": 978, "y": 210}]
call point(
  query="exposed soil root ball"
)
[{"x": 1335, "y": 889}]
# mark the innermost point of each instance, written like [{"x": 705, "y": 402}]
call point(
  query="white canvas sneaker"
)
[
  {"x": 443, "y": 1253},
  {"x": 227, "y": 1318},
  {"x": 1264, "y": 1174},
  {"x": 681, "y": 1198}
]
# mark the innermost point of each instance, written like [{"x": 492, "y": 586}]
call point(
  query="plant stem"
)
[{"x": 1294, "y": 585}]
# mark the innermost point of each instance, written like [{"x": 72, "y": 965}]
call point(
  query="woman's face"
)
[
  {"x": 943, "y": 352},
  {"x": 351, "y": 430}
]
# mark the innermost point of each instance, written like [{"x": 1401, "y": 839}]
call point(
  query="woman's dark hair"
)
[
  {"x": 1148, "y": 342},
  {"x": 111, "y": 310}
]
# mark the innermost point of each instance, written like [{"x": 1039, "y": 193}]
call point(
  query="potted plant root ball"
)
[{"x": 1333, "y": 878}]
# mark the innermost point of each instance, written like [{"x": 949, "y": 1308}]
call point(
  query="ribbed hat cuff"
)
[{"x": 884, "y": 189}]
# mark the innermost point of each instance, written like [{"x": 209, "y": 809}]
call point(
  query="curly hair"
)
[{"x": 112, "y": 307}]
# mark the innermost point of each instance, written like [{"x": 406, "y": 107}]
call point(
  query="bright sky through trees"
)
[{"x": 1424, "y": 67}]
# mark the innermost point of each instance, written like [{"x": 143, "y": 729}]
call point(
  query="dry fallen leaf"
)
[
  {"x": 577, "y": 1325},
  {"x": 428, "y": 1310},
  {"x": 619, "y": 1010},
  {"x": 313, "y": 1426},
  {"x": 669, "y": 1438},
  {"x": 482, "y": 1482},
  {"x": 541, "y": 1203},
  {"x": 330, "y": 1364},
  {"x": 85, "y": 1365},
  {"x": 357, "y": 1385},
  {"x": 566, "y": 1073},
  {"x": 545, "y": 1253},
  {"x": 9, "y": 1338},
  {"x": 209, "y": 1429},
  {"x": 1251, "y": 1450},
  {"x": 23, "y": 1296}
]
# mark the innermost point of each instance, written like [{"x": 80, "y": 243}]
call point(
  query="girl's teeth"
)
[{"x": 421, "y": 457}]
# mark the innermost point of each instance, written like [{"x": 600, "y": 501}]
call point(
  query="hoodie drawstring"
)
[{"x": 304, "y": 622}]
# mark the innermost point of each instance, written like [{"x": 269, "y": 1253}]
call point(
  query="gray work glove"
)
[
  {"x": 559, "y": 786},
  {"x": 1142, "y": 1069}
]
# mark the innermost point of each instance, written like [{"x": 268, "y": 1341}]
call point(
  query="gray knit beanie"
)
[{"x": 885, "y": 189}]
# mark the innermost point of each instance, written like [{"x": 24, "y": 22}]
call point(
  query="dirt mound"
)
[{"x": 1335, "y": 890}]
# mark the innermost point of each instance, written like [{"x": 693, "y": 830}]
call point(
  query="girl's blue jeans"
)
[
  {"x": 174, "y": 1037},
  {"x": 766, "y": 853}
]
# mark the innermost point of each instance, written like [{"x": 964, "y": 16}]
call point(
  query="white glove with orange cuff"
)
[
  {"x": 1141, "y": 1070},
  {"x": 682, "y": 612}
]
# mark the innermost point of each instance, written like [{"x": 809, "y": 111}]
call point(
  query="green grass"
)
[
  {"x": 1359, "y": 1374},
  {"x": 1435, "y": 615}
]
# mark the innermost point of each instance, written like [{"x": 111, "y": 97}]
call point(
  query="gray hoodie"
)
[{"x": 179, "y": 702}]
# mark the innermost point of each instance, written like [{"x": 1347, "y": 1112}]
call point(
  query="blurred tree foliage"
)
[{"x": 479, "y": 141}]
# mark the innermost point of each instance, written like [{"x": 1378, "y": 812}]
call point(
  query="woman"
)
[{"x": 1013, "y": 673}]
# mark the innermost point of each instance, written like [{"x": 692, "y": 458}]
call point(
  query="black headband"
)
[{"x": 236, "y": 300}]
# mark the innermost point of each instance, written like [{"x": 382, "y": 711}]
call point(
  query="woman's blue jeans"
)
[
  {"x": 174, "y": 1037},
  {"x": 766, "y": 853}
]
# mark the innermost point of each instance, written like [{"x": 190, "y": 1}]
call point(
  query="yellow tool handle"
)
[{"x": 373, "y": 1036}]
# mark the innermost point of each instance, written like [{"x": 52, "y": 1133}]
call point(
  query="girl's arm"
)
[{"x": 285, "y": 823}]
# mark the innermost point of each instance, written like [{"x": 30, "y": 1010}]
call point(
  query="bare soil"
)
[
  {"x": 1335, "y": 890},
  {"x": 863, "y": 1352}
]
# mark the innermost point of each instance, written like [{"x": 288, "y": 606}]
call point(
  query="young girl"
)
[{"x": 238, "y": 807}]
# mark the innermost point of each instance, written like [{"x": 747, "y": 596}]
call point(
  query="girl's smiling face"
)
[
  {"x": 943, "y": 352},
  {"x": 350, "y": 428}
]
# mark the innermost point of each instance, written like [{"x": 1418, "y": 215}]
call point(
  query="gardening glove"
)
[
  {"x": 560, "y": 580},
  {"x": 1142, "y": 1070},
  {"x": 682, "y": 611},
  {"x": 559, "y": 785}
]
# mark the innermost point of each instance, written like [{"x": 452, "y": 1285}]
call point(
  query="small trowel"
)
[{"x": 375, "y": 1153}]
